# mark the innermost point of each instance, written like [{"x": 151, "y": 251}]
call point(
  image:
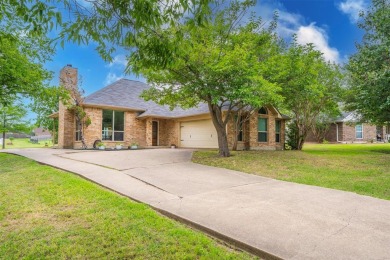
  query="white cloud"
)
[
  {"x": 118, "y": 60},
  {"x": 352, "y": 8},
  {"x": 112, "y": 77},
  {"x": 319, "y": 38},
  {"x": 287, "y": 22},
  {"x": 294, "y": 23}
]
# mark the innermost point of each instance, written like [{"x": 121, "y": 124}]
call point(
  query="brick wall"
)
[
  {"x": 66, "y": 127},
  {"x": 168, "y": 132},
  {"x": 330, "y": 135},
  {"x": 349, "y": 133},
  {"x": 94, "y": 131},
  {"x": 134, "y": 129},
  {"x": 251, "y": 134}
]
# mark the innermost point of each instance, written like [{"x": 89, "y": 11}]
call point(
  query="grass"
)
[
  {"x": 24, "y": 143},
  {"x": 48, "y": 213},
  {"x": 360, "y": 168}
]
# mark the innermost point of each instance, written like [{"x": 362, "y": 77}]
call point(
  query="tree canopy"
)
[
  {"x": 311, "y": 87},
  {"x": 369, "y": 68},
  {"x": 20, "y": 73},
  {"x": 220, "y": 63}
]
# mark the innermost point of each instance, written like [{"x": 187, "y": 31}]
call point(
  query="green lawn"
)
[
  {"x": 24, "y": 143},
  {"x": 360, "y": 168},
  {"x": 48, "y": 213}
]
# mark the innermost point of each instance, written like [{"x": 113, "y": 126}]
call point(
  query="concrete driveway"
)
[{"x": 268, "y": 217}]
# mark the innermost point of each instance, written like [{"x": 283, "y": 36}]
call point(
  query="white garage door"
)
[{"x": 198, "y": 134}]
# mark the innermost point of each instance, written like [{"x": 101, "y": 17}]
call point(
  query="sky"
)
[{"x": 331, "y": 25}]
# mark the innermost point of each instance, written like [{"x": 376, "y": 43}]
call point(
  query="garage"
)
[{"x": 198, "y": 134}]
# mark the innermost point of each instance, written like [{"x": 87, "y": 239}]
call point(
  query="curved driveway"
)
[{"x": 267, "y": 216}]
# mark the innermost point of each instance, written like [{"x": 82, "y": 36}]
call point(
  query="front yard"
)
[
  {"x": 46, "y": 213},
  {"x": 25, "y": 143},
  {"x": 360, "y": 168}
]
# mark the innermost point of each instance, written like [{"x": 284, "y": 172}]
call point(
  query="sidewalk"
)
[{"x": 265, "y": 216}]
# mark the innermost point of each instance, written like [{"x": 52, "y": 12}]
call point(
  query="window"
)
[
  {"x": 240, "y": 134},
  {"x": 277, "y": 130},
  {"x": 263, "y": 111},
  {"x": 78, "y": 132},
  {"x": 113, "y": 125},
  {"x": 359, "y": 131},
  {"x": 262, "y": 128}
]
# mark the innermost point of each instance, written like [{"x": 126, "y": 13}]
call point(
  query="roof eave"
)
[
  {"x": 102, "y": 106},
  {"x": 54, "y": 115}
]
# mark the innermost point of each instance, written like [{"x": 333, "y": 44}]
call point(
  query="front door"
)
[{"x": 154, "y": 133}]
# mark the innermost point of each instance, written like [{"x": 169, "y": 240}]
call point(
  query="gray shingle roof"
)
[
  {"x": 126, "y": 93},
  {"x": 348, "y": 117}
]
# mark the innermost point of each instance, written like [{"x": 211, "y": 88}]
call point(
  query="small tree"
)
[
  {"x": 46, "y": 104},
  {"x": 321, "y": 126},
  {"x": 311, "y": 86},
  {"x": 240, "y": 117},
  {"x": 11, "y": 118}
]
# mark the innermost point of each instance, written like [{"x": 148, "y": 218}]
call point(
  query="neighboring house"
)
[
  {"x": 348, "y": 129},
  {"x": 119, "y": 115},
  {"x": 40, "y": 131},
  {"x": 40, "y": 134}
]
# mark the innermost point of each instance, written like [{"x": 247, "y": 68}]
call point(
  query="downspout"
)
[{"x": 337, "y": 132}]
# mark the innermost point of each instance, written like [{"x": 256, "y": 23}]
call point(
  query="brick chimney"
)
[
  {"x": 68, "y": 77},
  {"x": 66, "y": 121}
]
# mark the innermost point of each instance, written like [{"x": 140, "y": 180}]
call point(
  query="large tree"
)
[
  {"x": 311, "y": 87},
  {"x": 369, "y": 68},
  {"x": 220, "y": 63}
]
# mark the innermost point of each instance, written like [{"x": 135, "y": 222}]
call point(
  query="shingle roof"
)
[
  {"x": 126, "y": 94},
  {"x": 348, "y": 117}
]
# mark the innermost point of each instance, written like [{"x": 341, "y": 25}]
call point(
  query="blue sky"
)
[{"x": 329, "y": 24}]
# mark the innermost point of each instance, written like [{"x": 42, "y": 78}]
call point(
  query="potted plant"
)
[
  {"x": 173, "y": 146},
  {"x": 118, "y": 146},
  {"x": 101, "y": 146},
  {"x": 134, "y": 145}
]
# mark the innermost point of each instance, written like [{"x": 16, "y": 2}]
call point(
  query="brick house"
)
[
  {"x": 119, "y": 115},
  {"x": 348, "y": 129}
]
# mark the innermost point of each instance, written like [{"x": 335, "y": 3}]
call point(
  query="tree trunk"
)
[
  {"x": 223, "y": 142},
  {"x": 302, "y": 133},
  {"x": 4, "y": 139},
  {"x": 83, "y": 144},
  {"x": 220, "y": 126},
  {"x": 235, "y": 131},
  {"x": 4, "y": 131}
]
